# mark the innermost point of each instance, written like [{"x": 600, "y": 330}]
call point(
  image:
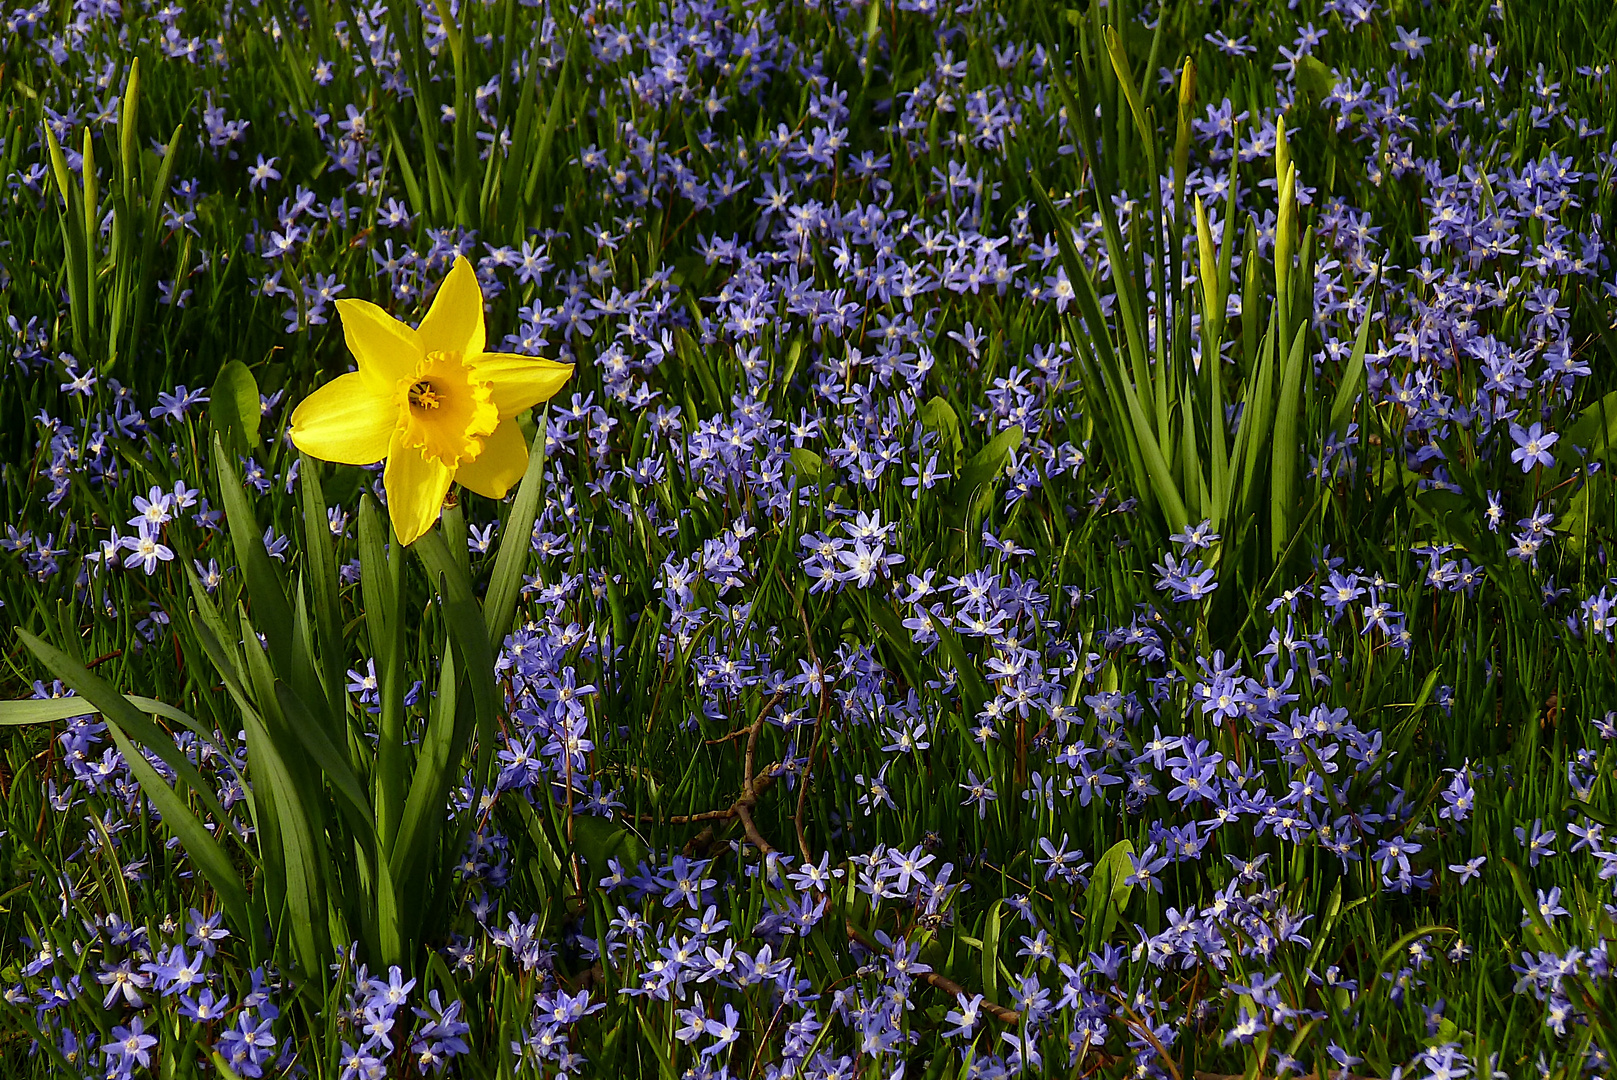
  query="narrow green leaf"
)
[
  {"x": 539, "y": 165},
  {"x": 1118, "y": 55},
  {"x": 320, "y": 557},
  {"x": 1353, "y": 380},
  {"x": 991, "y": 928},
  {"x": 119, "y": 711},
  {"x": 516, "y": 538},
  {"x": 265, "y": 589},
  {"x": 401, "y": 157},
  {"x": 200, "y": 845},
  {"x": 128, "y": 143},
  {"x": 1287, "y": 453},
  {"x": 147, "y": 268}
]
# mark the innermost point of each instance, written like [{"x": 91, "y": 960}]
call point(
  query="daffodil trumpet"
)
[{"x": 430, "y": 400}]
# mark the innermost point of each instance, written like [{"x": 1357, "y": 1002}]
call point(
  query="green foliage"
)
[
  {"x": 350, "y": 843},
  {"x": 110, "y": 291},
  {"x": 351, "y": 840}
]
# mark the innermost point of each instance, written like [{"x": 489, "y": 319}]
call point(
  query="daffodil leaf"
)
[
  {"x": 125, "y": 723},
  {"x": 516, "y": 536},
  {"x": 265, "y": 588}
]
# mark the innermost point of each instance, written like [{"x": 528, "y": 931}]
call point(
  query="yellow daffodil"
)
[{"x": 430, "y": 401}]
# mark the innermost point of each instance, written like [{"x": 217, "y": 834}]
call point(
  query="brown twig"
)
[
  {"x": 802, "y": 793},
  {"x": 750, "y": 797},
  {"x": 752, "y": 786},
  {"x": 1144, "y": 1029},
  {"x": 1009, "y": 1017},
  {"x": 752, "y": 737},
  {"x": 819, "y": 736},
  {"x": 722, "y": 739},
  {"x": 1203, "y": 1075},
  {"x": 751, "y": 829},
  {"x": 763, "y": 1043}
]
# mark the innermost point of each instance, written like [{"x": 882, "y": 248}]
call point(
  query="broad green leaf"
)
[
  {"x": 598, "y": 840},
  {"x": 304, "y": 860},
  {"x": 233, "y": 408},
  {"x": 1314, "y": 78},
  {"x": 373, "y": 575},
  {"x": 985, "y": 465},
  {"x": 468, "y": 634},
  {"x": 266, "y": 591},
  {"x": 1595, "y": 429},
  {"x": 332, "y": 762},
  {"x": 1287, "y": 452},
  {"x": 1107, "y": 895},
  {"x": 45, "y": 711},
  {"x": 474, "y": 656},
  {"x": 1352, "y": 384},
  {"x": 438, "y": 756},
  {"x": 809, "y": 466},
  {"x": 939, "y": 416}
]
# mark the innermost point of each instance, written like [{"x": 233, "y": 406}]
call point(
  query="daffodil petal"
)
[
  {"x": 454, "y": 322},
  {"x": 503, "y": 461},
  {"x": 520, "y": 382},
  {"x": 386, "y": 349},
  {"x": 416, "y": 486},
  {"x": 345, "y": 421}
]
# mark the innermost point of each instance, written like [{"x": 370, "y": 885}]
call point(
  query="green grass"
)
[{"x": 1494, "y": 682}]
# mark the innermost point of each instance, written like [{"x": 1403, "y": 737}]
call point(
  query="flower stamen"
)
[{"x": 423, "y": 396}]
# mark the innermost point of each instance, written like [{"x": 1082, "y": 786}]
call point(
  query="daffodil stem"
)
[{"x": 390, "y": 763}]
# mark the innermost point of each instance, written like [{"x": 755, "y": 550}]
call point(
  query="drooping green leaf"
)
[{"x": 126, "y": 723}]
